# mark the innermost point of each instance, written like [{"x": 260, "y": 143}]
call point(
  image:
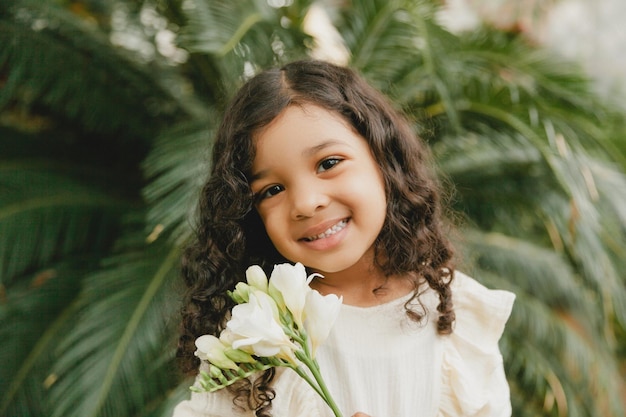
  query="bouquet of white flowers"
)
[{"x": 280, "y": 322}]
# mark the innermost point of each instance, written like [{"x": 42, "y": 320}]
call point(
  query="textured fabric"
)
[{"x": 380, "y": 362}]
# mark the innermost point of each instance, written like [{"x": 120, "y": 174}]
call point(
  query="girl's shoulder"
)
[
  {"x": 480, "y": 310},
  {"x": 472, "y": 367}
]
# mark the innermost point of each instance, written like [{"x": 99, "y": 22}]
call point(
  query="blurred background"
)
[{"x": 107, "y": 110}]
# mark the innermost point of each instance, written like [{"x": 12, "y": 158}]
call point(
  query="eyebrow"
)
[
  {"x": 257, "y": 176},
  {"x": 307, "y": 153},
  {"x": 315, "y": 149}
]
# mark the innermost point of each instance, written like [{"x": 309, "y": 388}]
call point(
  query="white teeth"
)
[{"x": 330, "y": 231}]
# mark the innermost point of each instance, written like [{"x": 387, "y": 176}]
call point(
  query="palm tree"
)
[{"x": 104, "y": 148}]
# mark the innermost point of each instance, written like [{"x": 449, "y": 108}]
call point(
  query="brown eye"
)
[
  {"x": 327, "y": 164},
  {"x": 270, "y": 191}
]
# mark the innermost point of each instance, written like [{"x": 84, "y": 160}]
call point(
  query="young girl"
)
[{"x": 313, "y": 165}]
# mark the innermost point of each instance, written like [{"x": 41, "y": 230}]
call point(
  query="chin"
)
[{"x": 332, "y": 268}]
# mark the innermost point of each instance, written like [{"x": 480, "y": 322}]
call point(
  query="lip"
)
[{"x": 321, "y": 228}]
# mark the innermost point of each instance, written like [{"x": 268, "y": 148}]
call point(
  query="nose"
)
[{"x": 307, "y": 199}]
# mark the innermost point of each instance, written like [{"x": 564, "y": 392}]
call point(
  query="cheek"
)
[
  {"x": 279, "y": 237},
  {"x": 368, "y": 186},
  {"x": 272, "y": 227},
  {"x": 373, "y": 195}
]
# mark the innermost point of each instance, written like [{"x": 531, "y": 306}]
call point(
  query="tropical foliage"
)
[{"x": 105, "y": 128}]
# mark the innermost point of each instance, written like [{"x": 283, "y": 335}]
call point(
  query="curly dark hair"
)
[{"x": 230, "y": 235}]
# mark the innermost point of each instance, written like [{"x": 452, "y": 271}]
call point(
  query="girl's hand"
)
[{"x": 360, "y": 415}]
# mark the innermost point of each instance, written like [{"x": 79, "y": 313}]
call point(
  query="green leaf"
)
[
  {"x": 45, "y": 216},
  {"x": 119, "y": 354},
  {"x": 31, "y": 316},
  {"x": 177, "y": 166},
  {"x": 71, "y": 68}
]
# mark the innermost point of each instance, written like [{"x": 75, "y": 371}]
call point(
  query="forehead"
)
[
  {"x": 302, "y": 125},
  {"x": 301, "y": 131}
]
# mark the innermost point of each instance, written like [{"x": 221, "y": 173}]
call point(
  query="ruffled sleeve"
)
[{"x": 473, "y": 379}]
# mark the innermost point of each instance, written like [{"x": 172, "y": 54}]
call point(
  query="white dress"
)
[{"x": 379, "y": 362}]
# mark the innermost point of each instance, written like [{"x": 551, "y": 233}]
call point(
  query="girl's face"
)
[{"x": 318, "y": 189}]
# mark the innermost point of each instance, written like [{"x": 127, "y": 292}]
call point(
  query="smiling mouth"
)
[{"x": 329, "y": 232}]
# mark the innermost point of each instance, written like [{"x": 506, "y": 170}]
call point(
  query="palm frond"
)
[
  {"x": 484, "y": 153},
  {"x": 550, "y": 345},
  {"x": 242, "y": 37},
  {"x": 176, "y": 168},
  {"x": 537, "y": 270},
  {"x": 116, "y": 358},
  {"x": 55, "y": 223},
  {"x": 377, "y": 32},
  {"x": 31, "y": 316},
  {"x": 550, "y": 350},
  {"x": 45, "y": 216},
  {"x": 105, "y": 91},
  {"x": 164, "y": 406}
]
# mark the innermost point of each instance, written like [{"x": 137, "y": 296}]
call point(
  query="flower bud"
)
[
  {"x": 242, "y": 293},
  {"x": 217, "y": 373},
  {"x": 238, "y": 355},
  {"x": 211, "y": 348},
  {"x": 256, "y": 278}
]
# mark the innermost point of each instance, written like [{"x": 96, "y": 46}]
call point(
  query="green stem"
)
[
  {"x": 303, "y": 374},
  {"x": 319, "y": 385}
]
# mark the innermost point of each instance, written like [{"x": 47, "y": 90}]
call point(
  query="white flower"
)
[
  {"x": 273, "y": 324},
  {"x": 320, "y": 314},
  {"x": 254, "y": 328},
  {"x": 211, "y": 349},
  {"x": 291, "y": 282},
  {"x": 256, "y": 278}
]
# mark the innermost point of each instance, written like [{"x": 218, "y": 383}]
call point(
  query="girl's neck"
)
[{"x": 363, "y": 286}]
